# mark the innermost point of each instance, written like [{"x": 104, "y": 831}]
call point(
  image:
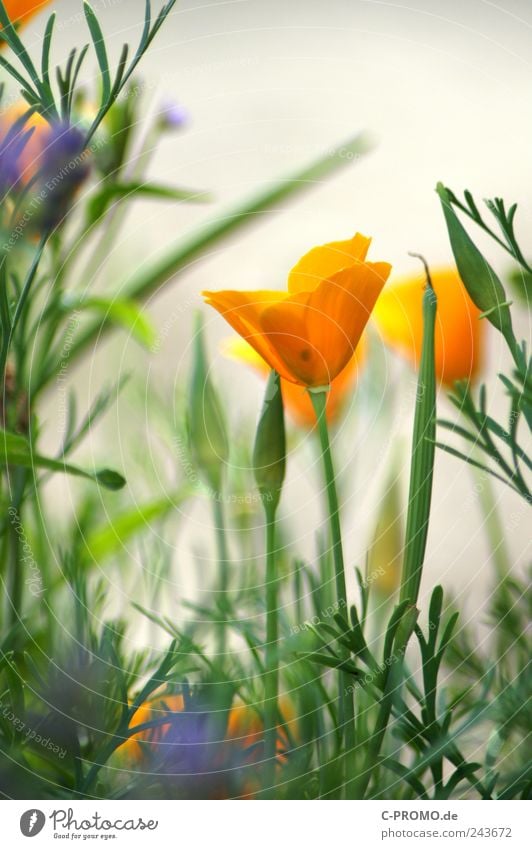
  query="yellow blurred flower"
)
[
  {"x": 295, "y": 398},
  {"x": 459, "y": 342},
  {"x": 309, "y": 333}
]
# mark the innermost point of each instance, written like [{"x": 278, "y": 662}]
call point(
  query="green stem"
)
[
  {"x": 417, "y": 523},
  {"x": 15, "y": 574},
  {"x": 346, "y": 715},
  {"x": 271, "y": 676},
  {"x": 10, "y": 332},
  {"x": 223, "y": 565},
  {"x": 492, "y": 523},
  {"x": 422, "y": 461}
]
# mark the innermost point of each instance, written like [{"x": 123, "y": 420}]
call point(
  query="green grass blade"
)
[
  {"x": 422, "y": 462},
  {"x": 15, "y": 450},
  {"x": 100, "y": 49}
]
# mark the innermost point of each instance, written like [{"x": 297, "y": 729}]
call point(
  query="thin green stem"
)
[
  {"x": 223, "y": 573},
  {"x": 10, "y": 332},
  {"x": 15, "y": 574},
  {"x": 346, "y": 716},
  {"x": 271, "y": 676},
  {"x": 492, "y": 523}
]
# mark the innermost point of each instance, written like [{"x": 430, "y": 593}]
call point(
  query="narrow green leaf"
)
[
  {"x": 9, "y": 34},
  {"x": 15, "y": 450},
  {"x": 75, "y": 75},
  {"x": 47, "y": 44},
  {"x": 334, "y": 663},
  {"x": 99, "y": 204},
  {"x": 122, "y": 62},
  {"x": 124, "y": 313},
  {"x": 112, "y": 537},
  {"x": 100, "y": 49},
  {"x": 455, "y": 453}
]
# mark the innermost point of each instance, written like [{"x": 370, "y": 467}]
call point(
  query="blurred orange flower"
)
[
  {"x": 132, "y": 748},
  {"x": 296, "y": 400},
  {"x": 30, "y": 158},
  {"x": 20, "y": 11},
  {"x": 459, "y": 342},
  {"x": 244, "y": 727},
  {"x": 309, "y": 333}
]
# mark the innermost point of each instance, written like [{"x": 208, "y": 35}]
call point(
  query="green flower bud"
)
[
  {"x": 207, "y": 429},
  {"x": 269, "y": 453},
  {"x": 484, "y": 287}
]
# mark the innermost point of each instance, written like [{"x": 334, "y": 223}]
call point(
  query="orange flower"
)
[
  {"x": 459, "y": 341},
  {"x": 296, "y": 400},
  {"x": 309, "y": 333},
  {"x": 244, "y": 727},
  {"x": 30, "y": 159},
  {"x": 132, "y": 748},
  {"x": 20, "y": 11}
]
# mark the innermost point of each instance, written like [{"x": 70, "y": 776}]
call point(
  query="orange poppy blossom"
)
[
  {"x": 459, "y": 340},
  {"x": 296, "y": 400},
  {"x": 309, "y": 333}
]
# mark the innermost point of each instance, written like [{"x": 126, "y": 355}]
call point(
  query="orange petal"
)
[
  {"x": 243, "y": 311},
  {"x": 295, "y": 397},
  {"x": 322, "y": 262},
  {"x": 315, "y": 333},
  {"x": 459, "y": 339}
]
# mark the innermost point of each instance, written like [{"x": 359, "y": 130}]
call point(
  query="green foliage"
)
[{"x": 87, "y": 713}]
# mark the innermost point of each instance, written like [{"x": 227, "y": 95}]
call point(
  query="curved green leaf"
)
[{"x": 16, "y": 450}]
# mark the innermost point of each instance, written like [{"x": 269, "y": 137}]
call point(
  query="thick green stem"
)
[
  {"x": 346, "y": 707},
  {"x": 271, "y": 676},
  {"x": 223, "y": 572}
]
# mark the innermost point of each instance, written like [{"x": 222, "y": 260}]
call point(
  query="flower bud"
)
[
  {"x": 269, "y": 453},
  {"x": 484, "y": 287},
  {"x": 207, "y": 429}
]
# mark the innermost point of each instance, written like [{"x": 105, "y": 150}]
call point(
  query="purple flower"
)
[
  {"x": 172, "y": 115},
  {"x": 64, "y": 166}
]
